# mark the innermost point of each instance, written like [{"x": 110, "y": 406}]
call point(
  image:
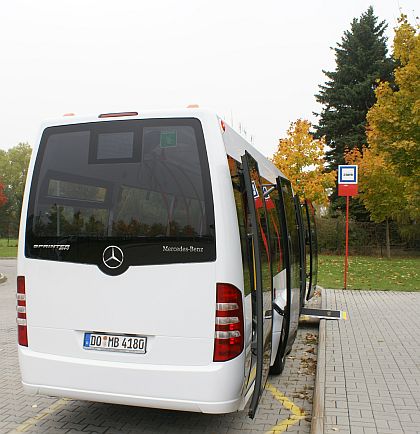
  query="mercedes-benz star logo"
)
[{"x": 112, "y": 257}]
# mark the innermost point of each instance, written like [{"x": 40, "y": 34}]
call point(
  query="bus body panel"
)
[
  {"x": 173, "y": 305},
  {"x": 143, "y": 300},
  {"x": 279, "y": 285},
  {"x": 150, "y": 303}
]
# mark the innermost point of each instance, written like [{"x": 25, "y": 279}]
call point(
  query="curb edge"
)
[{"x": 317, "y": 425}]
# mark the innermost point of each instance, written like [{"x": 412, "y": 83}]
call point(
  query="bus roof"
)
[{"x": 235, "y": 144}]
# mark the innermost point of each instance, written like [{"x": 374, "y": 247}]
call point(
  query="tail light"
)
[
  {"x": 21, "y": 312},
  {"x": 229, "y": 332}
]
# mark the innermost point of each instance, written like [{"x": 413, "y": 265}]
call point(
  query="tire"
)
[
  {"x": 279, "y": 363},
  {"x": 280, "y": 359}
]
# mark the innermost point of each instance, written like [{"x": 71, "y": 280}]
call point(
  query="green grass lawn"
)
[
  {"x": 395, "y": 274},
  {"x": 8, "y": 249},
  {"x": 365, "y": 272}
]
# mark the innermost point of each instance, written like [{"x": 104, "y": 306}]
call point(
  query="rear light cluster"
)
[
  {"x": 21, "y": 312},
  {"x": 229, "y": 333}
]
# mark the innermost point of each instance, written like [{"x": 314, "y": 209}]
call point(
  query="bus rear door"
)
[
  {"x": 313, "y": 247},
  {"x": 293, "y": 302},
  {"x": 262, "y": 316},
  {"x": 302, "y": 250}
]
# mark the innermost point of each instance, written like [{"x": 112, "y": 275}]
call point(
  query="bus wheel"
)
[
  {"x": 278, "y": 365},
  {"x": 280, "y": 359}
]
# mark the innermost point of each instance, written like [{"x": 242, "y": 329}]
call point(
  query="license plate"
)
[{"x": 121, "y": 343}]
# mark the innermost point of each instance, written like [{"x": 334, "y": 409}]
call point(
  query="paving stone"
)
[
  {"x": 16, "y": 407},
  {"x": 378, "y": 355}
]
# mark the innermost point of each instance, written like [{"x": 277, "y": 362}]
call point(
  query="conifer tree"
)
[{"x": 361, "y": 60}]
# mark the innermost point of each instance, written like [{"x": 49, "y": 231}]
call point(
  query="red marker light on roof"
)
[
  {"x": 193, "y": 106},
  {"x": 117, "y": 115},
  {"x": 68, "y": 114}
]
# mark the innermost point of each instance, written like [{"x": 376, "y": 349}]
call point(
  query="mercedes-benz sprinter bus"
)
[{"x": 160, "y": 263}]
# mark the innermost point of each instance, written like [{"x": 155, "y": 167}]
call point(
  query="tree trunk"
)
[{"x": 388, "y": 243}]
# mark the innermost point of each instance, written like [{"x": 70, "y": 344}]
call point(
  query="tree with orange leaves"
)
[
  {"x": 301, "y": 158},
  {"x": 394, "y": 121},
  {"x": 392, "y": 178}
]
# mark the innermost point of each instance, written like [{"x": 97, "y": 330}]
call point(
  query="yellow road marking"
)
[
  {"x": 297, "y": 412},
  {"x": 33, "y": 420},
  {"x": 252, "y": 376},
  {"x": 296, "y": 416}
]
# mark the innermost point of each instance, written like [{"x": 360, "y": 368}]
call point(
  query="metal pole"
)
[{"x": 346, "y": 260}]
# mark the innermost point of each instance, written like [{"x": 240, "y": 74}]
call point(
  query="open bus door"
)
[
  {"x": 313, "y": 247},
  {"x": 293, "y": 269},
  {"x": 262, "y": 313},
  {"x": 302, "y": 249},
  {"x": 279, "y": 361}
]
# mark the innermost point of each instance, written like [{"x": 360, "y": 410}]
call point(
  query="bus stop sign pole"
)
[
  {"x": 346, "y": 259},
  {"x": 347, "y": 186}
]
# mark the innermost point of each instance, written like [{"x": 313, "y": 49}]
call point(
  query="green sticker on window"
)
[{"x": 167, "y": 139}]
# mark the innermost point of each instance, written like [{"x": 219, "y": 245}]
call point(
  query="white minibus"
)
[{"x": 161, "y": 263}]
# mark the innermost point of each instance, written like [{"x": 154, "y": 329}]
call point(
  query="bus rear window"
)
[{"x": 143, "y": 185}]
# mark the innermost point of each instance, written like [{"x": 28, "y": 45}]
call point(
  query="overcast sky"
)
[{"x": 259, "y": 62}]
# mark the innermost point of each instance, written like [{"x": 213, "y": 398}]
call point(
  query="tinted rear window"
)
[{"x": 142, "y": 185}]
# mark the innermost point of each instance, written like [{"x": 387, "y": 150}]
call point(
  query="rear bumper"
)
[
  {"x": 139, "y": 401},
  {"x": 215, "y": 388}
]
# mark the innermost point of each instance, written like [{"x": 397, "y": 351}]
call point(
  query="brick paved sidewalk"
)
[
  {"x": 20, "y": 412},
  {"x": 373, "y": 363}
]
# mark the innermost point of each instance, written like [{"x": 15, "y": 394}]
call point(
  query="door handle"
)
[
  {"x": 278, "y": 309},
  {"x": 268, "y": 314}
]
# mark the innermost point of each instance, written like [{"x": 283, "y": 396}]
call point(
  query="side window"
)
[
  {"x": 244, "y": 221},
  {"x": 314, "y": 245},
  {"x": 263, "y": 228},
  {"x": 306, "y": 239},
  {"x": 291, "y": 221},
  {"x": 277, "y": 243}
]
